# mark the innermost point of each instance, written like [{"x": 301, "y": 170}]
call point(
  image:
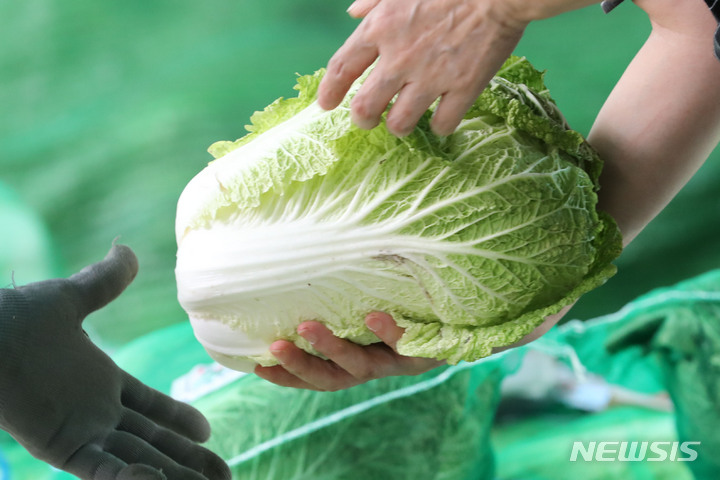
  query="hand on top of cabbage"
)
[
  {"x": 420, "y": 57},
  {"x": 425, "y": 50}
]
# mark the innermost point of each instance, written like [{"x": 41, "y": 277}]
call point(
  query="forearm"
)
[
  {"x": 524, "y": 11},
  {"x": 659, "y": 124},
  {"x": 662, "y": 120}
]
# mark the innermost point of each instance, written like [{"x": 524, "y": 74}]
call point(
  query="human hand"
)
[
  {"x": 427, "y": 49},
  {"x": 71, "y": 406},
  {"x": 348, "y": 364}
]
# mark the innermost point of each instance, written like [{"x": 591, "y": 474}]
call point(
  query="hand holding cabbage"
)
[
  {"x": 468, "y": 241},
  {"x": 348, "y": 364}
]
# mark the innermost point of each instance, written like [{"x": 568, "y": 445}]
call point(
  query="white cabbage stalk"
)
[{"x": 468, "y": 241}]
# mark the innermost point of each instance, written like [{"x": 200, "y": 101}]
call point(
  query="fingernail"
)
[
  {"x": 374, "y": 324},
  {"x": 350, "y": 8},
  {"x": 365, "y": 124},
  {"x": 308, "y": 335},
  {"x": 276, "y": 350},
  {"x": 401, "y": 131}
]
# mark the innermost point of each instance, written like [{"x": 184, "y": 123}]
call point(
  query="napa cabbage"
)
[{"x": 469, "y": 241}]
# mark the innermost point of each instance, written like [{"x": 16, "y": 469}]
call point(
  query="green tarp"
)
[{"x": 107, "y": 109}]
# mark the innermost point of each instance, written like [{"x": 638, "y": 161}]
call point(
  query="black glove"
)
[{"x": 67, "y": 402}]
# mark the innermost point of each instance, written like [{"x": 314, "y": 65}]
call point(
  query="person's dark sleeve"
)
[{"x": 714, "y": 6}]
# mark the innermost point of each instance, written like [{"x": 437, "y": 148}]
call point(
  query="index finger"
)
[
  {"x": 177, "y": 416},
  {"x": 178, "y": 448},
  {"x": 344, "y": 67}
]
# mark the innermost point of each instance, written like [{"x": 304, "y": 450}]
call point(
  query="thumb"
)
[{"x": 102, "y": 282}]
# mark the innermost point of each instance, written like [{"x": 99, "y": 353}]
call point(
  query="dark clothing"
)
[{"x": 715, "y": 9}]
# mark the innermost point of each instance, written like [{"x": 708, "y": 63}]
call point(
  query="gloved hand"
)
[{"x": 71, "y": 406}]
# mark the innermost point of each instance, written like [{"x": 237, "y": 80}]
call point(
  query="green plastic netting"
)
[
  {"x": 443, "y": 424},
  {"x": 679, "y": 329}
]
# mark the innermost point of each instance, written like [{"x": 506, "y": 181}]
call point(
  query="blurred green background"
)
[{"x": 108, "y": 108}]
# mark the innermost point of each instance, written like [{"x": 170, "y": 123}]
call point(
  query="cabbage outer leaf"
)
[{"x": 469, "y": 241}]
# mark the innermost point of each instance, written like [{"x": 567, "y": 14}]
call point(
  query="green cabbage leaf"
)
[{"x": 469, "y": 241}]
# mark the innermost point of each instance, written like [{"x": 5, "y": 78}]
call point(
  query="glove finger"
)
[
  {"x": 100, "y": 283},
  {"x": 140, "y": 472},
  {"x": 131, "y": 450},
  {"x": 175, "y": 446},
  {"x": 91, "y": 463},
  {"x": 164, "y": 410}
]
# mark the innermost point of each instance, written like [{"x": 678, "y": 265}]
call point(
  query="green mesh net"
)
[{"x": 462, "y": 422}]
